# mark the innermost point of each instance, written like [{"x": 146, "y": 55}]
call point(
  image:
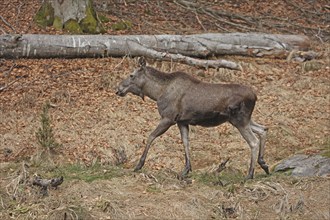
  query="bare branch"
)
[
  {"x": 199, "y": 21},
  {"x": 3, "y": 31},
  {"x": 264, "y": 23},
  {"x": 222, "y": 166},
  {"x": 18, "y": 12},
  {"x": 7, "y": 73},
  {"x": 7, "y": 23},
  {"x": 137, "y": 49},
  {"x": 2, "y": 88}
]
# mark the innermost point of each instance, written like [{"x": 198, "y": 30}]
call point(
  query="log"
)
[{"x": 182, "y": 48}]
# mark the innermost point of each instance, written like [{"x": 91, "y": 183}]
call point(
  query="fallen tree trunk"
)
[{"x": 182, "y": 48}]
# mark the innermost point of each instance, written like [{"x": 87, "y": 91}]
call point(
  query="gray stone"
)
[{"x": 305, "y": 165}]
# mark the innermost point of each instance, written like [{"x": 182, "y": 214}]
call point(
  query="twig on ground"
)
[
  {"x": 4, "y": 32},
  {"x": 222, "y": 166},
  {"x": 199, "y": 21},
  {"x": 122, "y": 60},
  {"x": 18, "y": 12},
  {"x": 7, "y": 73},
  {"x": 7, "y": 23},
  {"x": 2, "y": 88},
  {"x": 218, "y": 15},
  {"x": 262, "y": 23}
]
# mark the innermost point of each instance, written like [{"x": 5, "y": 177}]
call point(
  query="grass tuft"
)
[
  {"x": 45, "y": 135},
  {"x": 225, "y": 178},
  {"x": 88, "y": 174}
]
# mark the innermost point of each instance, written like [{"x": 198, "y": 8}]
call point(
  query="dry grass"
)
[{"x": 160, "y": 195}]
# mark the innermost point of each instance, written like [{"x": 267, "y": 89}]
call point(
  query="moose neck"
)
[{"x": 155, "y": 83}]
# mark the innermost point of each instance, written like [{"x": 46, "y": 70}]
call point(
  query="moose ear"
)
[{"x": 142, "y": 62}]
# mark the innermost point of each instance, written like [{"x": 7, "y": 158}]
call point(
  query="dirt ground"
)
[{"x": 102, "y": 136}]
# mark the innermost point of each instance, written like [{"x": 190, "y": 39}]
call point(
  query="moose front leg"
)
[
  {"x": 162, "y": 127},
  {"x": 253, "y": 142},
  {"x": 262, "y": 132},
  {"x": 184, "y": 131}
]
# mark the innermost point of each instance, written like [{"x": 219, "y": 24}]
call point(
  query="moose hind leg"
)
[
  {"x": 261, "y": 131},
  {"x": 184, "y": 131},
  {"x": 253, "y": 142},
  {"x": 162, "y": 127}
]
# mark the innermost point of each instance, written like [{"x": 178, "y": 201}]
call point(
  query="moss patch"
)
[
  {"x": 122, "y": 25},
  {"x": 72, "y": 26},
  {"x": 311, "y": 66},
  {"x": 104, "y": 19},
  {"x": 88, "y": 174},
  {"x": 45, "y": 16},
  {"x": 326, "y": 152},
  {"x": 153, "y": 189},
  {"x": 226, "y": 177},
  {"x": 286, "y": 172},
  {"x": 89, "y": 24},
  {"x": 57, "y": 24}
]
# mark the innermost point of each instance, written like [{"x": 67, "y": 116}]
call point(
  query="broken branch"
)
[{"x": 222, "y": 166}]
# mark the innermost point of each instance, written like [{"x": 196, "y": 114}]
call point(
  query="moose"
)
[{"x": 184, "y": 100}]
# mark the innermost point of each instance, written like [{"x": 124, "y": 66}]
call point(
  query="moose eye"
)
[{"x": 131, "y": 76}]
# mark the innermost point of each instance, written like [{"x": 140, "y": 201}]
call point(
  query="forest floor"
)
[{"x": 102, "y": 135}]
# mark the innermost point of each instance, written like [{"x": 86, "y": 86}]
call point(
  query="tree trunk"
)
[
  {"x": 73, "y": 16},
  {"x": 165, "y": 47}
]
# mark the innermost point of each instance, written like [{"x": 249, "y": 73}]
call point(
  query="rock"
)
[{"x": 305, "y": 165}]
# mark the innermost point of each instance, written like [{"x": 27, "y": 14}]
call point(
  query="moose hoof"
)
[
  {"x": 263, "y": 165},
  {"x": 137, "y": 168},
  {"x": 248, "y": 177},
  {"x": 265, "y": 168},
  {"x": 185, "y": 171}
]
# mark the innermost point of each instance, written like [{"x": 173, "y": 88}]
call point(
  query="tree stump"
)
[{"x": 74, "y": 16}]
